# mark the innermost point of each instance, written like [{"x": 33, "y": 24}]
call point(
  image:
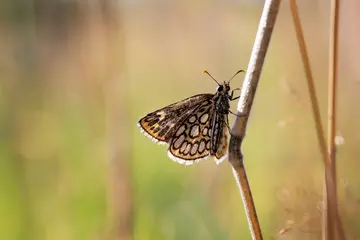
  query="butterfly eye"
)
[
  {"x": 220, "y": 88},
  {"x": 227, "y": 88}
]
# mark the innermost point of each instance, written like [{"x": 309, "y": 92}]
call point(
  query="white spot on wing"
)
[
  {"x": 204, "y": 118},
  {"x": 205, "y": 131},
  {"x": 179, "y": 141},
  {"x": 194, "y": 148},
  {"x": 208, "y": 145},
  {"x": 192, "y": 119},
  {"x": 202, "y": 146},
  {"x": 161, "y": 115},
  {"x": 183, "y": 147},
  {"x": 195, "y": 131},
  {"x": 188, "y": 147},
  {"x": 180, "y": 131}
]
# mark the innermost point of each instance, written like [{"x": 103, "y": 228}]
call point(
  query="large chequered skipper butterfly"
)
[{"x": 195, "y": 128}]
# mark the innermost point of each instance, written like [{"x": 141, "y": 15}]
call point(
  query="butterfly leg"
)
[
  {"x": 238, "y": 115},
  {"x": 232, "y": 98}
]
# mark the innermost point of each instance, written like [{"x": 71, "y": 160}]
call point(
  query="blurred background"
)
[{"x": 76, "y": 76}]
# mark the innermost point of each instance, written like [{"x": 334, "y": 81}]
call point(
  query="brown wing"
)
[
  {"x": 191, "y": 142},
  {"x": 161, "y": 125}
]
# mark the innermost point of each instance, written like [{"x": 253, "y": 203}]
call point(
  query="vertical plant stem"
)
[
  {"x": 332, "y": 84},
  {"x": 328, "y": 229},
  {"x": 251, "y": 80},
  {"x": 332, "y": 87},
  {"x": 310, "y": 79},
  {"x": 330, "y": 197}
]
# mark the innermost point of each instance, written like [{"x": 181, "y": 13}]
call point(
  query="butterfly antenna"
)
[
  {"x": 206, "y": 72},
  {"x": 236, "y": 74}
]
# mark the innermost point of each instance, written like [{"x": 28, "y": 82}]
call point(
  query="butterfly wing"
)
[
  {"x": 161, "y": 125},
  {"x": 192, "y": 139}
]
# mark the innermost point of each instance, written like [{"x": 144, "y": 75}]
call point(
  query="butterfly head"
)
[{"x": 223, "y": 88}]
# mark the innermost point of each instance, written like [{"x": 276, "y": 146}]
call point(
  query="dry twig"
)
[
  {"x": 330, "y": 195},
  {"x": 258, "y": 54},
  {"x": 332, "y": 84}
]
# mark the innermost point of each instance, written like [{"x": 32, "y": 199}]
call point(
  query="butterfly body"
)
[{"x": 195, "y": 128}]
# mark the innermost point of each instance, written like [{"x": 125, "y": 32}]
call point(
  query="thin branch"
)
[
  {"x": 332, "y": 77},
  {"x": 333, "y": 68},
  {"x": 251, "y": 80},
  {"x": 310, "y": 80},
  {"x": 330, "y": 197},
  {"x": 332, "y": 83},
  {"x": 328, "y": 229}
]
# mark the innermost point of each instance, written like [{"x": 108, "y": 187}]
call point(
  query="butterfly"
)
[{"x": 195, "y": 128}]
